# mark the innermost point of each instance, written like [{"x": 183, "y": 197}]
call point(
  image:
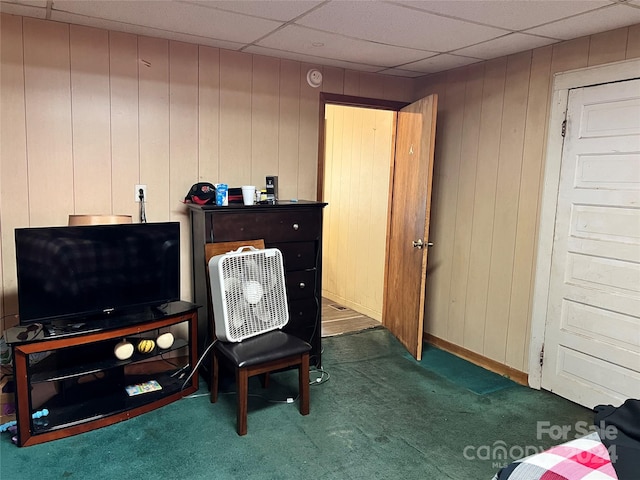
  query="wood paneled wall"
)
[
  {"x": 359, "y": 148},
  {"x": 490, "y": 145},
  {"x": 87, "y": 114}
]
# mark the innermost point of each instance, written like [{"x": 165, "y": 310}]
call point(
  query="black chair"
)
[{"x": 259, "y": 355}]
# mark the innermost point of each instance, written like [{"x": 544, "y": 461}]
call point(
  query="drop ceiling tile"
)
[
  {"x": 511, "y": 43},
  {"x": 608, "y": 18},
  {"x": 392, "y": 25},
  {"x": 174, "y": 17},
  {"x": 138, "y": 30},
  {"x": 440, "y": 63},
  {"x": 300, "y": 57},
  {"x": 282, "y": 10},
  {"x": 31, "y": 3},
  {"x": 397, "y": 72},
  {"x": 328, "y": 45},
  {"x": 512, "y": 14},
  {"x": 23, "y": 9}
]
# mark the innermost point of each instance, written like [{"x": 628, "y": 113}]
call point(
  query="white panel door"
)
[{"x": 592, "y": 336}]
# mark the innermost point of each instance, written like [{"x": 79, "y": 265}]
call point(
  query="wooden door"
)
[
  {"x": 408, "y": 224},
  {"x": 592, "y": 340}
]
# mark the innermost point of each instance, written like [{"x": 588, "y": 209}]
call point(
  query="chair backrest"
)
[{"x": 213, "y": 249}]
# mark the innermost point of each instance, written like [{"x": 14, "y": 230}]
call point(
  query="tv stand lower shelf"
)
[{"x": 81, "y": 385}]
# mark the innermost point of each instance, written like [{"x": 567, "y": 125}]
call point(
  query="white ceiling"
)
[{"x": 408, "y": 38}]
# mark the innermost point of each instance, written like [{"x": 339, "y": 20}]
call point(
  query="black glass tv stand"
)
[{"x": 75, "y": 377}]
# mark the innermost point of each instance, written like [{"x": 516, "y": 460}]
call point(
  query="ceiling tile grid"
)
[{"x": 407, "y": 38}]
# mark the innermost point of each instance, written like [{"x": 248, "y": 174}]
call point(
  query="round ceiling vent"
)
[{"x": 314, "y": 78}]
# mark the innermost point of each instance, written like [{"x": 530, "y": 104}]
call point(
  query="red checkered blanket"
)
[{"x": 585, "y": 458}]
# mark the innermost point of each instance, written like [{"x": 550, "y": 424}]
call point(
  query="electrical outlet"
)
[{"x": 144, "y": 193}]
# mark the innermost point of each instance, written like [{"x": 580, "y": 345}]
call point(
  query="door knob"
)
[{"x": 419, "y": 244}]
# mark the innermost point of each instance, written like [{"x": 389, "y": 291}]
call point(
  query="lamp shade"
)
[{"x": 98, "y": 219}]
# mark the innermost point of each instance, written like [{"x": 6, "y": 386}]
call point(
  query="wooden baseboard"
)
[{"x": 516, "y": 375}]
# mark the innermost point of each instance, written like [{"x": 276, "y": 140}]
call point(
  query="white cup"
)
[{"x": 248, "y": 194}]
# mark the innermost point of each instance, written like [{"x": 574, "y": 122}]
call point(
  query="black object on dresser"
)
[{"x": 295, "y": 228}]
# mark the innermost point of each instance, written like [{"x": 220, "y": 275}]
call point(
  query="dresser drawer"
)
[
  {"x": 301, "y": 284},
  {"x": 273, "y": 227},
  {"x": 297, "y": 255}
]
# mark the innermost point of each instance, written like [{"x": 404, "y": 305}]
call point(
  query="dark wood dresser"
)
[{"x": 295, "y": 228}]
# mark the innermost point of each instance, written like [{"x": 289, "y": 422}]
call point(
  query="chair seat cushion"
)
[{"x": 263, "y": 348}]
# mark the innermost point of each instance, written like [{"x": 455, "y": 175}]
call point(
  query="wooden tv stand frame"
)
[{"x": 113, "y": 405}]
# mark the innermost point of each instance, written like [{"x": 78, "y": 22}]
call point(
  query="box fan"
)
[{"x": 248, "y": 293}]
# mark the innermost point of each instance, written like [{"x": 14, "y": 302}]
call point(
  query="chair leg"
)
[
  {"x": 303, "y": 384},
  {"x": 264, "y": 380},
  {"x": 242, "y": 387},
  {"x": 215, "y": 377}
]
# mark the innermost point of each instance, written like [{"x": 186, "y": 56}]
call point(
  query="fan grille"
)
[{"x": 252, "y": 293}]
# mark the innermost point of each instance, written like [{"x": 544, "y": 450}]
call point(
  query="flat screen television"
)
[{"x": 68, "y": 274}]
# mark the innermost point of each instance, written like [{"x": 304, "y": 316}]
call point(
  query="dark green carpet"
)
[
  {"x": 380, "y": 416},
  {"x": 459, "y": 371}
]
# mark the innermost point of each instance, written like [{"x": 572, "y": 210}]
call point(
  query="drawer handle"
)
[
  {"x": 302, "y": 285},
  {"x": 296, "y": 226}
]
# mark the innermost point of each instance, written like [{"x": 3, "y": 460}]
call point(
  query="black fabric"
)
[
  {"x": 619, "y": 429},
  {"x": 202, "y": 193},
  {"x": 263, "y": 348},
  {"x": 506, "y": 472}
]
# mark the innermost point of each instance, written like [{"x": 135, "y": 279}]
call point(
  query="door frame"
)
[
  {"x": 562, "y": 83},
  {"x": 346, "y": 101},
  {"x": 359, "y": 102}
]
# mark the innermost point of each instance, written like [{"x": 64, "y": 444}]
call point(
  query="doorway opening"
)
[
  {"x": 354, "y": 164},
  {"x": 408, "y": 212}
]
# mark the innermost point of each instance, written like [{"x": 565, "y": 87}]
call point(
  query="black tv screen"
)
[{"x": 68, "y": 273}]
